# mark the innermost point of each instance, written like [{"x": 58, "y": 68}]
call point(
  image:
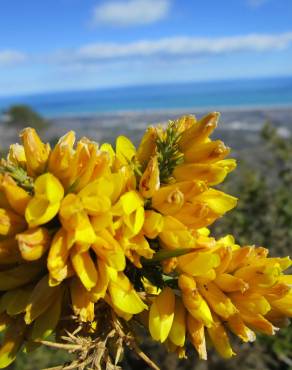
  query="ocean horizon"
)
[{"x": 228, "y": 94}]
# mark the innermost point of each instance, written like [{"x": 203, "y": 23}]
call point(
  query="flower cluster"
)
[{"x": 86, "y": 230}]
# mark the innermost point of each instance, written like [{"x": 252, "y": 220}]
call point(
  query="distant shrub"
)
[{"x": 23, "y": 115}]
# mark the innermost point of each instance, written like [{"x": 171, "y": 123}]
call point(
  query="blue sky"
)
[{"x": 55, "y": 45}]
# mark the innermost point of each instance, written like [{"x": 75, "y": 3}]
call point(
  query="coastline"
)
[
  {"x": 188, "y": 110},
  {"x": 238, "y": 127}
]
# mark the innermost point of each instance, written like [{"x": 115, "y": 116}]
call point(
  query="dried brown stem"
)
[{"x": 130, "y": 341}]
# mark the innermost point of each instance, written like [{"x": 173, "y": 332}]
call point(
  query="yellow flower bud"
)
[
  {"x": 237, "y": 326},
  {"x": 212, "y": 174},
  {"x": 57, "y": 262},
  {"x": 220, "y": 339},
  {"x": 16, "y": 155},
  {"x": 36, "y": 152},
  {"x": 147, "y": 146},
  {"x": 161, "y": 315},
  {"x": 196, "y": 332},
  {"x": 217, "y": 300},
  {"x": 208, "y": 152},
  {"x": 199, "y": 131},
  {"x": 150, "y": 180},
  {"x": 61, "y": 157},
  {"x": 185, "y": 122},
  {"x": 177, "y": 332},
  {"x": 193, "y": 301},
  {"x": 96, "y": 167}
]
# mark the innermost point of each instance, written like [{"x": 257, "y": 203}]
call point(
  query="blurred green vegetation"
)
[
  {"x": 22, "y": 115},
  {"x": 263, "y": 185},
  {"x": 264, "y": 217}
]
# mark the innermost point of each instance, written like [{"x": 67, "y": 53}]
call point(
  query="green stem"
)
[{"x": 166, "y": 254}]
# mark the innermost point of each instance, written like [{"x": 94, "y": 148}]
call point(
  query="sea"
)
[{"x": 241, "y": 93}]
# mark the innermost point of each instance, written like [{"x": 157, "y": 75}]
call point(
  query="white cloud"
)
[
  {"x": 176, "y": 47},
  {"x": 130, "y": 12},
  {"x": 256, "y": 3},
  {"x": 11, "y": 57}
]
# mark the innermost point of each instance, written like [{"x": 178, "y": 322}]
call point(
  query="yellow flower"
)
[
  {"x": 109, "y": 250},
  {"x": 198, "y": 264},
  {"x": 125, "y": 150},
  {"x": 196, "y": 331},
  {"x": 130, "y": 208},
  {"x": 10, "y": 223},
  {"x": 217, "y": 300},
  {"x": 150, "y": 180},
  {"x": 176, "y": 235},
  {"x": 205, "y": 208},
  {"x": 95, "y": 167},
  {"x": 220, "y": 339},
  {"x": 193, "y": 301},
  {"x": 45, "y": 204},
  {"x": 61, "y": 157},
  {"x": 33, "y": 243},
  {"x": 147, "y": 146},
  {"x": 16, "y": 155},
  {"x": 208, "y": 152},
  {"x": 95, "y": 196},
  {"x": 212, "y": 174},
  {"x": 153, "y": 224},
  {"x": 137, "y": 247},
  {"x": 84, "y": 267},
  {"x": 17, "y": 197},
  {"x": 124, "y": 297},
  {"x": 177, "y": 332},
  {"x": 161, "y": 315},
  {"x": 199, "y": 131},
  {"x": 81, "y": 301},
  {"x": 57, "y": 262},
  {"x": 98, "y": 229},
  {"x": 36, "y": 152},
  {"x": 99, "y": 290},
  {"x": 237, "y": 326},
  {"x": 171, "y": 198},
  {"x": 75, "y": 220}
]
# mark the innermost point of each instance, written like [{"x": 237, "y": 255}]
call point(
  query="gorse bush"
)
[{"x": 98, "y": 242}]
